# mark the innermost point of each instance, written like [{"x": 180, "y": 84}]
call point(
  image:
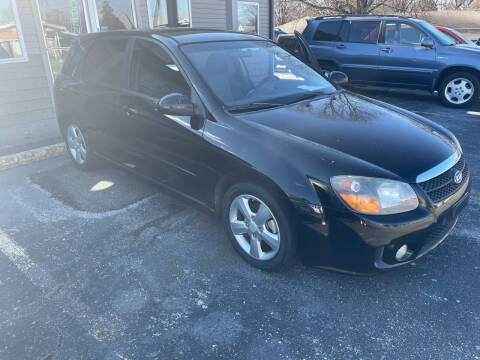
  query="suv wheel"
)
[
  {"x": 259, "y": 226},
  {"x": 459, "y": 89},
  {"x": 78, "y": 147}
]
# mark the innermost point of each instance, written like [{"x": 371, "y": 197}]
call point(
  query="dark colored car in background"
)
[
  {"x": 456, "y": 36},
  {"x": 290, "y": 162},
  {"x": 399, "y": 52}
]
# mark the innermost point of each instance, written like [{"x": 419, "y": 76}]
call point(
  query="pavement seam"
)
[{"x": 30, "y": 156}]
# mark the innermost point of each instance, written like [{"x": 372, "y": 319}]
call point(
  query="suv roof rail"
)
[{"x": 343, "y": 16}]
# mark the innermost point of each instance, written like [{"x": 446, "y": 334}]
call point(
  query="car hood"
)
[
  {"x": 361, "y": 129},
  {"x": 464, "y": 49}
]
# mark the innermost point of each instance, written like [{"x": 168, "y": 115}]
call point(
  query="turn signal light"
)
[{"x": 362, "y": 203}]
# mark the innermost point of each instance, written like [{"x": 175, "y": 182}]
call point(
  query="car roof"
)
[
  {"x": 180, "y": 35},
  {"x": 364, "y": 17}
]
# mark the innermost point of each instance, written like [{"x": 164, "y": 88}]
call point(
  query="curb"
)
[{"x": 30, "y": 156}]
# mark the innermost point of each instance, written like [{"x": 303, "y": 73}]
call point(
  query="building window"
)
[
  {"x": 158, "y": 12},
  {"x": 12, "y": 46},
  {"x": 183, "y": 13},
  {"x": 115, "y": 15},
  {"x": 172, "y": 13},
  {"x": 247, "y": 13},
  {"x": 62, "y": 21}
]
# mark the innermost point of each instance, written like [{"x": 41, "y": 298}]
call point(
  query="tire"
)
[
  {"x": 78, "y": 147},
  {"x": 278, "y": 222},
  {"x": 455, "y": 87}
]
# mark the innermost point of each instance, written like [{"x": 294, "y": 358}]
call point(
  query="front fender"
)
[{"x": 260, "y": 153}]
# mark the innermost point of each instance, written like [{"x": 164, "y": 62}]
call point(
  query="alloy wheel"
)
[
  {"x": 254, "y": 227},
  {"x": 459, "y": 91},
  {"x": 76, "y": 144}
]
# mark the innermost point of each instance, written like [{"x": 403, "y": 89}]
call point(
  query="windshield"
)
[
  {"x": 461, "y": 36},
  {"x": 437, "y": 34},
  {"x": 250, "y": 72}
]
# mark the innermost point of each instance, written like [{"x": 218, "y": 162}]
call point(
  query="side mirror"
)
[
  {"x": 427, "y": 43},
  {"x": 478, "y": 42},
  {"x": 175, "y": 104},
  {"x": 338, "y": 77}
]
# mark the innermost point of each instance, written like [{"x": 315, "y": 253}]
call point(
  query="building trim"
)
[{"x": 37, "y": 19}]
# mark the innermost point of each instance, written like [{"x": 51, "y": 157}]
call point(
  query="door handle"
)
[
  {"x": 130, "y": 110},
  {"x": 340, "y": 46},
  {"x": 388, "y": 50}
]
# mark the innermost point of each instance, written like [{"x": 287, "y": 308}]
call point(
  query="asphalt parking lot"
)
[{"x": 102, "y": 265}]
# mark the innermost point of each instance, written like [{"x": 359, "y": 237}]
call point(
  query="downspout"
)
[{"x": 272, "y": 17}]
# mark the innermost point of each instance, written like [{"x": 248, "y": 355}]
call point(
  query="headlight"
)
[{"x": 375, "y": 196}]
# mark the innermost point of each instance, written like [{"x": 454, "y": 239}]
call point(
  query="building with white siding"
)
[{"x": 35, "y": 36}]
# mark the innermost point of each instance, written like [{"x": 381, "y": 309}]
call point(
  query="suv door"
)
[
  {"x": 357, "y": 50},
  {"x": 323, "y": 43},
  {"x": 404, "y": 61},
  {"x": 162, "y": 147}
]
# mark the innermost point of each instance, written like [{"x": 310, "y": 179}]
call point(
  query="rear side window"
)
[
  {"x": 364, "y": 32},
  {"x": 73, "y": 59},
  {"x": 104, "y": 62},
  {"x": 328, "y": 31}
]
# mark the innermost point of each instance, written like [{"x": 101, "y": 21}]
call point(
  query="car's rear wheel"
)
[
  {"x": 258, "y": 224},
  {"x": 460, "y": 89},
  {"x": 78, "y": 147}
]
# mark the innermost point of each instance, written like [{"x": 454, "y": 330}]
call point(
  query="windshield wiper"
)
[
  {"x": 253, "y": 106},
  {"x": 306, "y": 96}
]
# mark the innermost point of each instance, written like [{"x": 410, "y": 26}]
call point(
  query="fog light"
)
[{"x": 403, "y": 253}]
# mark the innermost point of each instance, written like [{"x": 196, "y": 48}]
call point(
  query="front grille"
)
[{"x": 441, "y": 187}]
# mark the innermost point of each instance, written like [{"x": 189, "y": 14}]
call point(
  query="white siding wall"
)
[
  {"x": 264, "y": 16},
  {"x": 209, "y": 14},
  {"x": 25, "y": 89}
]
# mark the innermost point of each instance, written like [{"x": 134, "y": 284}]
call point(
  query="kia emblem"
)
[{"x": 457, "y": 177}]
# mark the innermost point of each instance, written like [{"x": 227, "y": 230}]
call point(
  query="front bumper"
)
[{"x": 364, "y": 244}]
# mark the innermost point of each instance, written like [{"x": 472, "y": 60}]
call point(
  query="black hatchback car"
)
[{"x": 292, "y": 163}]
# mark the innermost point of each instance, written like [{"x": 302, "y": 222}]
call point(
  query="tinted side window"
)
[
  {"x": 327, "y": 31},
  {"x": 74, "y": 57},
  {"x": 104, "y": 62},
  {"x": 364, "y": 32},
  {"x": 154, "y": 73}
]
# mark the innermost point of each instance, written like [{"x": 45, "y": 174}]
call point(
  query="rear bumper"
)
[{"x": 357, "y": 244}]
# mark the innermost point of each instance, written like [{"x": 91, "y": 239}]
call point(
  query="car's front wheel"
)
[
  {"x": 258, "y": 224},
  {"x": 460, "y": 89},
  {"x": 78, "y": 147}
]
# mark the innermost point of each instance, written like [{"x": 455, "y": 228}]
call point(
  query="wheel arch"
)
[
  {"x": 244, "y": 174},
  {"x": 453, "y": 69}
]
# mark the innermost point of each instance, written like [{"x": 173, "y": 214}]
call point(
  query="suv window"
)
[
  {"x": 154, "y": 73},
  {"x": 364, "y": 32},
  {"x": 398, "y": 33},
  {"x": 327, "y": 31},
  {"x": 104, "y": 62}
]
